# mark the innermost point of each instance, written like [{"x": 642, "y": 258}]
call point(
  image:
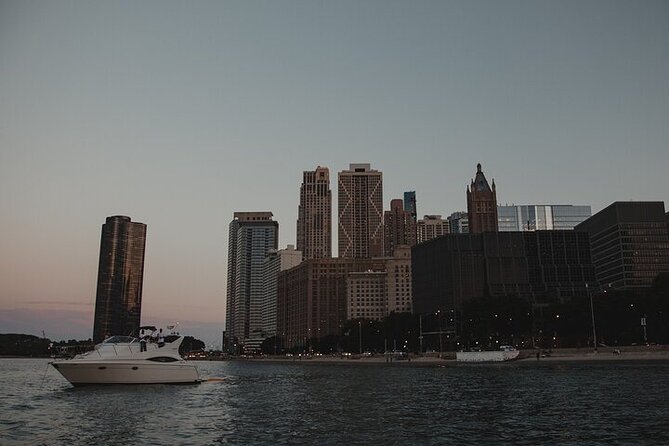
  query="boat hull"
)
[
  {"x": 493, "y": 356},
  {"x": 120, "y": 372}
]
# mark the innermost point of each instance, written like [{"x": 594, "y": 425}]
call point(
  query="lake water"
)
[{"x": 625, "y": 403}]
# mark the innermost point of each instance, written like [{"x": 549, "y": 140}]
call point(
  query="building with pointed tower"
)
[{"x": 481, "y": 204}]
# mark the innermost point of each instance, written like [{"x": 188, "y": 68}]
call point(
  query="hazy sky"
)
[{"x": 178, "y": 114}]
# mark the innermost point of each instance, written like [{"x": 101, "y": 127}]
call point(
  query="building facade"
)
[
  {"x": 251, "y": 237},
  {"x": 118, "y": 300},
  {"x": 399, "y": 227},
  {"x": 630, "y": 244},
  {"x": 312, "y": 298},
  {"x": 541, "y": 266},
  {"x": 540, "y": 217},
  {"x": 373, "y": 295},
  {"x": 432, "y": 226},
  {"x": 314, "y": 215},
  {"x": 360, "y": 212},
  {"x": 458, "y": 223},
  {"x": 275, "y": 262},
  {"x": 481, "y": 204},
  {"x": 399, "y": 295},
  {"x": 366, "y": 295}
]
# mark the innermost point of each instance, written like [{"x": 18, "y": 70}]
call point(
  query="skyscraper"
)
[
  {"x": 410, "y": 204},
  {"x": 314, "y": 215},
  {"x": 118, "y": 300},
  {"x": 252, "y": 235},
  {"x": 360, "y": 212},
  {"x": 481, "y": 204},
  {"x": 399, "y": 227}
]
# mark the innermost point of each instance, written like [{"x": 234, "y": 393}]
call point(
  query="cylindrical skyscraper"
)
[{"x": 118, "y": 302}]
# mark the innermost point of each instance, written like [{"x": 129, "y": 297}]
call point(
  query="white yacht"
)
[
  {"x": 120, "y": 360},
  {"x": 505, "y": 353}
]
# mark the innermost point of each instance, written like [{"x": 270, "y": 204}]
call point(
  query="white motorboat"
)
[
  {"x": 505, "y": 353},
  {"x": 120, "y": 360}
]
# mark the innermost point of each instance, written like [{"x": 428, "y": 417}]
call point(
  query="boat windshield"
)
[{"x": 119, "y": 340}]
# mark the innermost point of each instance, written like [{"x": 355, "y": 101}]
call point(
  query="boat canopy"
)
[{"x": 119, "y": 340}]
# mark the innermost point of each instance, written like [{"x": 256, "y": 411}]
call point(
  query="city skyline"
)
[{"x": 179, "y": 115}]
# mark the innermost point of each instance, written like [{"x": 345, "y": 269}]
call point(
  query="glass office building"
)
[{"x": 541, "y": 217}]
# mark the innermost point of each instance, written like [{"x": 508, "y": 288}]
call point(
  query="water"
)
[{"x": 519, "y": 403}]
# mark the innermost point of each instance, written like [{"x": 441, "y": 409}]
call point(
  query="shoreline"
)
[{"x": 627, "y": 354}]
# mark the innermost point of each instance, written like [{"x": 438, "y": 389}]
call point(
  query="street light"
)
[{"x": 592, "y": 314}]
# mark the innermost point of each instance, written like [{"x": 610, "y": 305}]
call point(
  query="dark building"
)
[
  {"x": 314, "y": 215},
  {"x": 481, "y": 204},
  {"x": 541, "y": 266},
  {"x": 311, "y": 298},
  {"x": 410, "y": 204},
  {"x": 118, "y": 301},
  {"x": 629, "y": 241},
  {"x": 399, "y": 227}
]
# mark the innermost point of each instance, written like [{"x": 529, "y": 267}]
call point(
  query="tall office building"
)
[
  {"x": 410, "y": 204},
  {"x": 360, "y": 212},
  {"x": 314, "y": 215},
  {"x": 432, "y": 226},
  {"x": 540, "y": 217},
  {"x": 630, "y": 245},
  {"x": 252, "y": 235},
  {"x": 399, "y": 227},
  {"x": 481, "y": 204},
  {"x": 118, "y": 301},
  {"x": 411, "y": 208}
]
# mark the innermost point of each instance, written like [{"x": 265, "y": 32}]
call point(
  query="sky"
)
[{"x": 178, "y": 114}]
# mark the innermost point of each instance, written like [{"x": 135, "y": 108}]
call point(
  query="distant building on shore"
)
[
  {"x": 275, "y": 262},
  {"x": 399, "y": 227},
  {"x": 251, "y": 237},
  {"x": 481, "y": 204},
  {"x": 360, "y": 212},
  {"x": 118, "y": 300},
  {"x": 458, "y": 223},
  {"x": 541, "y": 266},
  {"x": 410, "y": 205},
  {"x": 432, "y": 226},
  {"x": 314, "y": 215},
  {"x": 630, "y": 244},
  {"x": 317, "y": 297},
  {"x": 540, "y": 217}
]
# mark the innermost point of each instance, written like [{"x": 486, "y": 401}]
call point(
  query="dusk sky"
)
[{"x": 178, "y": 114}]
